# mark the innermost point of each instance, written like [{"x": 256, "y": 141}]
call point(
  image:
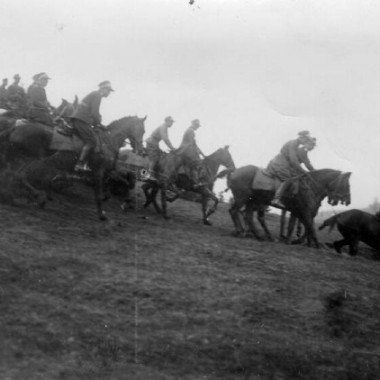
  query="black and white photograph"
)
[{"x": 189, "y": 189}]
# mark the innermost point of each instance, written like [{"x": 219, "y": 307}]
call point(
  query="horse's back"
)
[
  {"x": 242, "y": 178},
  {"x": 360, "y": 224}
]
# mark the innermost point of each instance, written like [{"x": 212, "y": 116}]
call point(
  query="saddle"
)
[
  {"x": 60, "y": 141},
  {"x": 264, "y": 181}
]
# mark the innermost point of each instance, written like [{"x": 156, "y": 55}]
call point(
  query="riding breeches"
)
[{"x": 85, "y": 132}]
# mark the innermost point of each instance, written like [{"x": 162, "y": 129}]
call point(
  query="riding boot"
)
[
  {"x": 276, "y": 201},
  {"x": 81, "y": 165}
]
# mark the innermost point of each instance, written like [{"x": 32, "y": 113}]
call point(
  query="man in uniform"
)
[
  {"x": 192, "y": 152},
  {"x": 16, "y": 95},
  {"x": 3, "y": 94},
  {"x": 153, "y": 144},
  {"x": 287, "y": 165},
  {"x": 38, "y": 105},
  {"x": 85, "y": 117}
]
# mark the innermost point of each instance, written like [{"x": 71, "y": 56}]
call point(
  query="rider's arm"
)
[
  {"x": 165, "y": 138},
  {"x": 304, "y": 159},
  {"x": 291, "y": 150},
  {"x": 94, "y": 107}
]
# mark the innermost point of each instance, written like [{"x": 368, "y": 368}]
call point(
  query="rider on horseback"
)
[
  {"x": 153, "y": 145},
  {"x": 287, "y": 164},
  {"x": 85, "y": 117},
  {"x": 3, "y": 94},
  {"x": 16, "y": 96},
  {"x": 38, "y": 105},
  {"x": 191, "y": 151}
]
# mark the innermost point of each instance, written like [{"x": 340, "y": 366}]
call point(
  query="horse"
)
[
  {"x": 208, "y": 170},
  {"x": 59, "y": 153},
  {"x": 355, "y": 226},
  {"x": 314, "y": 186}
]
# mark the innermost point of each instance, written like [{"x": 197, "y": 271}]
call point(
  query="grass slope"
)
[{"x": 138, "y": 297}]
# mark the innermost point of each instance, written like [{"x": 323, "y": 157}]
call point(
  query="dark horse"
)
[
  {"x": 208, "y": 174},
  {"x": 60, "y": 152},
  {"x": 355, "y": 226},
  {"x": 313, "y": 188}
]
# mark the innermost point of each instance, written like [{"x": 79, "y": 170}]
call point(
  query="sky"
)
[{"x": 254, "y": 72}]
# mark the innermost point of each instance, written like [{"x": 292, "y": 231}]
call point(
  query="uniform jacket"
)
[
  {"x": 37, "y": 97},
  {"x": 160, "y": 133},
  {"x": 286, "y": 164},
  {"x": 88, "y": 109},
  {"x": 15, "y": 90}
]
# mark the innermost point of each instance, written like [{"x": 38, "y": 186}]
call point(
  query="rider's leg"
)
[
  {"x": 86, "y": 134},
  {"x": 153, "y": 160},
  {"x": 276, "y": 201},
  {"x": 81, "y": 164}
]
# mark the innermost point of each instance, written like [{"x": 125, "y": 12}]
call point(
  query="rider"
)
[
  {"x": 303, "y": 151},
  {"x": 38, "y": 105},
  {"x": 16, "y": 94},
  {"x": 85, "y": 117},
  {"x": 3, "y": 93},
  {"x": 192, "y": 152},
  {"x": 287, "y": 165},
  {"x": 153, "y": 144}
]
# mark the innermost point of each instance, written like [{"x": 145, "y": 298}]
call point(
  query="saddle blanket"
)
[
  {"x": 264, "y": 181},
  {"x": 62, "y": 142}
]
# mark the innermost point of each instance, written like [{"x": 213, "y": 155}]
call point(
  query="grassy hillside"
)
[{"x": 138, "y": 297}]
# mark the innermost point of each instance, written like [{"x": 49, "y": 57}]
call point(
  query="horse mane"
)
[{"x": 116, "y": 123}]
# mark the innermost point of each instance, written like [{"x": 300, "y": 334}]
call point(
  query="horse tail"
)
[{"x": 330, "y": 222}]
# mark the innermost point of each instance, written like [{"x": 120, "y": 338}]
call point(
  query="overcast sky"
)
[{"x": 255, "y": 72}]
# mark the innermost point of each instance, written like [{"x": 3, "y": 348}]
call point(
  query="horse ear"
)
[
  {"x": 76, "y": 101},
  {"x": 348, "y": 174},
  {"x": 227, "y": 147},
  {"x": 144, "y": 118}
]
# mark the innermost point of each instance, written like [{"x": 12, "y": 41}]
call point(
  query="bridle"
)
[{"x": 332, "y": 195}]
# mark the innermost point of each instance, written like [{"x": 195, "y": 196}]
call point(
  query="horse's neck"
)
[
  {"x": 211, "y": 164},
  {"x": 118, "y": 136},
  {"x": 321, "y": 181}
]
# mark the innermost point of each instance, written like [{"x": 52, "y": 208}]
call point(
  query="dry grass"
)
[{"x": 138, "y": 297}]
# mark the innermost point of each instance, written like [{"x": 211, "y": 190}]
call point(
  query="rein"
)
[{"x": 321, "y": 190}]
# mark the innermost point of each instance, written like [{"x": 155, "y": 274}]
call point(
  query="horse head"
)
[
  {"x": 130, "y": 128},
  {"x": 65, "y": 109},
  {"x": 339, "y": 189}
]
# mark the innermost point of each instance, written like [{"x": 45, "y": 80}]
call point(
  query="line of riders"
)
[{"x": 86, "y": 119}]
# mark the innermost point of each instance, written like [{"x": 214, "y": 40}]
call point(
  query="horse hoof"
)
[
  {"x": 207, "y": 223},
  {"x": 103, "y": 216}
]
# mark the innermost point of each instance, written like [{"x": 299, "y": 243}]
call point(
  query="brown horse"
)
[
  {"x": 59, "y": 158},
  {"x": 313, "y": 188},
  {"x": 208, "y": 174}
]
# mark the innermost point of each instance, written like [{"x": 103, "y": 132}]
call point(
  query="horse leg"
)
[
  {"x": 163, "y": 202},
  {"x": 148, "y": 195},
  {"x": 310, "y": 232},
  {"x": 206, "y": 195},
  {"x": 98, "y": 192},
  {"x": 235, "y": 216},
  {"x": 248, "y": 219},
  {"x": 291, "y": 225},
  {"x": 39, "y": 197},
  {"x": 261, "y": 218},
  {"x": 339, "y": 244},
  {"x": 153, "y": 195},
  {"x": 354, "y": 246},
  {"x": 282, "y": 225}
]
